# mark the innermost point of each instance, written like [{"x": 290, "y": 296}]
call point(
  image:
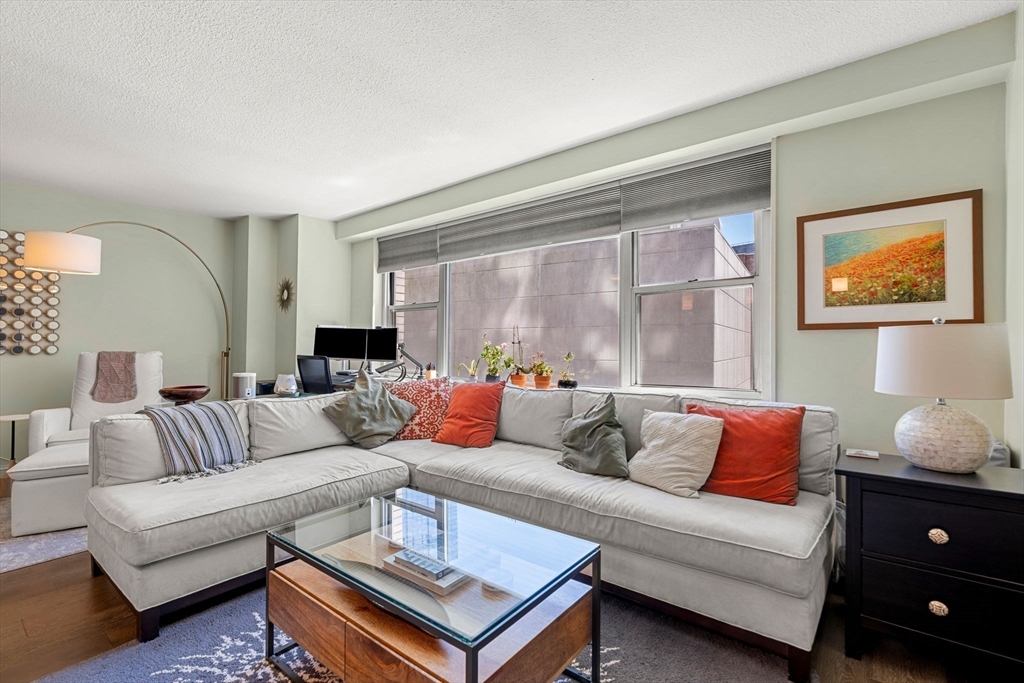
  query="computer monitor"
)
[
  {"x": 346, "y": 343},
  {"x": 382, "y": 344}
]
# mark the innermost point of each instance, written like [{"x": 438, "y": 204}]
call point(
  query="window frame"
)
[
  {"x": 762, "y": 320},
  {"x": 389, "y": 310}
]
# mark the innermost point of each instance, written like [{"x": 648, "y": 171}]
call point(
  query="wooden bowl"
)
[{"x": 187, "y": 393}]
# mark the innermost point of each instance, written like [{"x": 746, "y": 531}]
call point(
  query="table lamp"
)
[{"x": 947, "y": 361}]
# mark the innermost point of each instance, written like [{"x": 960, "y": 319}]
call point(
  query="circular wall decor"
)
[{"x": 30, "y": 304}]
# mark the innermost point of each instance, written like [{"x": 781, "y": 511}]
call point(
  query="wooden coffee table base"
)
[{"x": 362, "y": 643}]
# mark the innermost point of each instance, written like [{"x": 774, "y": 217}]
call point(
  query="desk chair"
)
[{"x": 315, "y": 373}]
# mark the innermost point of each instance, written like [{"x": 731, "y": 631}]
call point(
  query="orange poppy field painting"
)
[
  {"x": 897, "y": 264},
  {"x": 903, "y": 263}
]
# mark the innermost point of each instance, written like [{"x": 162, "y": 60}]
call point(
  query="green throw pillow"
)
[
  {"x": 594, "y": 443},
  {"x": 369, "y": 414}
]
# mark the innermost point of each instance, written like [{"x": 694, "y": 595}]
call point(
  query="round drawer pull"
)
[
  {"x": 937, "y": 608},
  {"x": 938, "y": 536}
]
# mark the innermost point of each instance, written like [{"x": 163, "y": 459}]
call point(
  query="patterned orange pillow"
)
[{"x": 431, "y": 398}]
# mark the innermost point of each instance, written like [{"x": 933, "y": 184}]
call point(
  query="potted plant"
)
[
  {"x": 567, "y": 381},
  {"x": 496, "y": 358},
  {"x": 541, "y": 371},
  {"x": 470, "y": 369},
  {"x": 519, "y": 370}
]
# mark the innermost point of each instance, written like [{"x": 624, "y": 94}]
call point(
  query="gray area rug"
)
[
  {"x": 25, "y": 551},
  {"x": 225, "y": 644}
]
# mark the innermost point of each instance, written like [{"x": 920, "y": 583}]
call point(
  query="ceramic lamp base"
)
[{"x": 942, "y": 438}]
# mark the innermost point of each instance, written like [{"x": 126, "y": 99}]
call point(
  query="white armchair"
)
[{"x": 48, "y": 487}]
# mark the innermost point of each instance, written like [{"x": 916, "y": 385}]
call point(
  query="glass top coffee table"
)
[{"x": 454, "y": 572}]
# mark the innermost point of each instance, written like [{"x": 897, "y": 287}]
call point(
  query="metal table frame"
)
[{"x": 472, "y": 650}]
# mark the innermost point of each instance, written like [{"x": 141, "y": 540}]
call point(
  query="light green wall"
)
[
  {"x": 324, "y": 269},
  {"x": 255, "y": 319},
  {"x": 286, "y": 321},
  {"x": 151, "y": 296},
  {"x": 364, "y": 284},
  {"x": 1014, "y": 413},
  {"x": 945, "y": 145},
  {"x": 961, "y": 60}
]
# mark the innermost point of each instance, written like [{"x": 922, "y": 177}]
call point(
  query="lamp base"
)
[{"x": 942, "y": 438}]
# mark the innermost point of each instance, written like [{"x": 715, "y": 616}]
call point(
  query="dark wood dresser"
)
[{"x": 935, "y": 555}]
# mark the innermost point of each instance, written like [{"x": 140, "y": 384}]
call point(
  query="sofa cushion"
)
[
  {"x": 415, "y": 452},
  {"x": 819, "y": 439},
  {"x": 431, "y": 398},
  {"x": 776, "y": 546},
  {"x": 145, "y": 521},
  {"x": 127, "y": 449},
  {"x": 629, "y": 408},
  {"x": 534, "y": 417},
  {"x": 369, "y": 414},
  {"x": 678, "y": 452},
  {"x": 62, "y": 460},
  {"x": 593, "y": 442},
  {"x": 472, "y": 417},
  {"x": 69, "y": 437},
  {"x": 279, "y": 426}
]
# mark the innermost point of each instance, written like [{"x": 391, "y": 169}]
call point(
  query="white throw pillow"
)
[{"x": 677, "y": 451}]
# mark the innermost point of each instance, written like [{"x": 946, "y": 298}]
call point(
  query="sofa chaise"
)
[{"x": 750, "y": 569}]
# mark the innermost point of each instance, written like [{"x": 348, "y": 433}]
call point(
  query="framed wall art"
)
[{"x": 891, "y": 264}]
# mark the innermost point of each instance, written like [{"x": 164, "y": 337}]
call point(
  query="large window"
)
[{"x": 673, "y": 306}]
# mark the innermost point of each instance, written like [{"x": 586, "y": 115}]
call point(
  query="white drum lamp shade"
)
[
  {"x": 62, "y": 252},
  {"x": 944, "y": 361}
]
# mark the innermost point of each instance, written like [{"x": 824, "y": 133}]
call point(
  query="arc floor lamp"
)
[{"x": 74, "y": 254}]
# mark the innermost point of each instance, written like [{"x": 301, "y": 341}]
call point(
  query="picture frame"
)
[{"x": 900, "y": 263}]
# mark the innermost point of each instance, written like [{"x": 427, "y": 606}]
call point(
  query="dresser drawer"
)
[
  {"x": 976, "y": 614},
  {"x": 985, "y": 542}
]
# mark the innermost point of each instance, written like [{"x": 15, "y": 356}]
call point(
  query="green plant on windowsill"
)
[
  {"x": 470, "y": 369},
  {"x": 495, "y": 358}
]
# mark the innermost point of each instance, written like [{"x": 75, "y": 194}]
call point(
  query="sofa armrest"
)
[{"x": 42, "y": 424}]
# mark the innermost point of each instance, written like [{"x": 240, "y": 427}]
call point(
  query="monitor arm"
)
[{"x": 397, "y": 363}]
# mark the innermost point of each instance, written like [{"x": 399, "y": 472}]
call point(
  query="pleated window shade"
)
[
  {"x": 738, "y": 184},
  {"x": 566, "y": 218},
  {"x": 408, "y": 250}
]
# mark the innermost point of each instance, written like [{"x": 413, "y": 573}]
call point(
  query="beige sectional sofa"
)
[{"x": 753, "y": 570}]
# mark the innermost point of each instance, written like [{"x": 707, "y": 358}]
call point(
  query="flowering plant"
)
[
  {"x": 539, "y": 367},
  {"x": 495, "y": 357},
  {"x": 569, "y": 357}
]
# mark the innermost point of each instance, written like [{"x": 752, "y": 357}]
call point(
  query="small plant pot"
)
[
  {"x": 567, "y": 384},
  {"x": 493, "y": 378},
  {"x": 542, "y": 381},
  {"x": 518, "y": 380}
]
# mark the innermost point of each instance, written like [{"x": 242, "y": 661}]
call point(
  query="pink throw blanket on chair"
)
[{"x": 115, "y": 377}]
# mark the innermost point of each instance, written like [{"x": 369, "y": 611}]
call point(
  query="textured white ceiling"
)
[{"x": 331, "y": 108}]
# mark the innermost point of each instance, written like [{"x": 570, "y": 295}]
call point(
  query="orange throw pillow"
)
[
  {"x": 472, "y": 417},
  {"x": 759, "y": 455}
]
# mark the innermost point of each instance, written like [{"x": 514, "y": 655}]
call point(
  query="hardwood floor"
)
[{"x": 55, "y": 614}]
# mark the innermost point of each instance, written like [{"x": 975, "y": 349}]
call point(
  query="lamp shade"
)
[
  {"x": 62, "y": 252},
  {"x": 944, "y": 361}
]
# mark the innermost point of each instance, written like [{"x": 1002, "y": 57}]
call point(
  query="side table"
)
[
  {"x": 5, "y": 481},
  {"x": 936, "y": 556},
  {"x": 13, "y": 419}
]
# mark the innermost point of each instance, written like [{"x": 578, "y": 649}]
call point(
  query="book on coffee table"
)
[{"x": 443, "y": 586}]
